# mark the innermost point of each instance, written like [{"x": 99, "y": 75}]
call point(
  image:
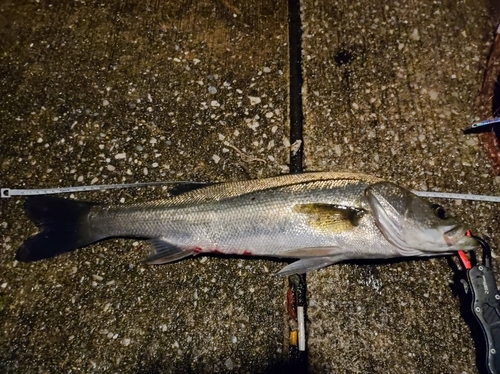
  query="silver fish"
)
[{"x": 318, "y": 218}]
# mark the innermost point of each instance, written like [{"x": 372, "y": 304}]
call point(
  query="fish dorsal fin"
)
[
  {"x": 187, "y": 187},
  {"x": 308, "y": 264},
  {"x": 165, "y": 252},
  {"x": 331, "y": 217}
]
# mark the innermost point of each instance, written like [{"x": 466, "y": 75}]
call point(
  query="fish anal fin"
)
[
  {"x": 308, "y": 264},
  {"x": 331, "y": 217},
  {"x": 165, "y": 252}
]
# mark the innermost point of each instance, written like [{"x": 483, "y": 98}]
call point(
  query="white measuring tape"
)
[
  {"x": 8, "y": 192},
  {"x": 458, "y": 196}
]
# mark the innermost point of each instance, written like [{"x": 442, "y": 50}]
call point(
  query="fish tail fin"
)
[{"x": 63, "y": 225}]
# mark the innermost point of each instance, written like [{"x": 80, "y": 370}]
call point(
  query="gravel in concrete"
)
[
  {"x": 127, "y": 91},
  {"x": 389, "y": 86}
]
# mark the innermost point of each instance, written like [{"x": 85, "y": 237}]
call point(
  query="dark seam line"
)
[
  {"x": 295, "y": 59},
  {"x": 298, "y": 361}
]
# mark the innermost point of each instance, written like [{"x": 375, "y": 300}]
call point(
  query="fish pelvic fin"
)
[
  {"x": 331, "y": 217},
  {"x": 164, "y": 252},
  {"x": 308, "y": 264},
  {"x": 63, "y": 225}
]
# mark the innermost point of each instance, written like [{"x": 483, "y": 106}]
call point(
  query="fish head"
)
[{"x": 413, "y": 224}]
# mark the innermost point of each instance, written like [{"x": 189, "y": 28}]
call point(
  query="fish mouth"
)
[{"x": 457, "y": 236}]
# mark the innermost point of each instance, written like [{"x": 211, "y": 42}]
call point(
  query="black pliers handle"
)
[{"x": 481, "y": 293}]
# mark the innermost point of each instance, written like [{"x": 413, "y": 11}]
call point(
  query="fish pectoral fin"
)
[
  {"x": 165, "y": 252},
  {"x": 331, "y": 217},
  {"x": 308, "y": 264}
]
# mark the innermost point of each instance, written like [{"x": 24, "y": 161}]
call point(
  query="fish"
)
[{"x": 317, "y": 219}]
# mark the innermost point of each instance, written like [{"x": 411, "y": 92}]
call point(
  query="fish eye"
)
[{"x": 439, "y": 211}]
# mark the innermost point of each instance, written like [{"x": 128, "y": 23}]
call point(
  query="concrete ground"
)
[
  {"x": 389, "y": 88},
  {"x": 131, "y": 91},
  {"x": 126, "y": 91}
]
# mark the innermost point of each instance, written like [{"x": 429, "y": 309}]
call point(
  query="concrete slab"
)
[
  {"x": 127, "y": 91},
  {"x": 389, "y": 86}
]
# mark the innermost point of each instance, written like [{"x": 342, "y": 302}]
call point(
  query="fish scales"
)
[
  {"x": 261, "y": 222},
  {"x": 244, "y": 211}
]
